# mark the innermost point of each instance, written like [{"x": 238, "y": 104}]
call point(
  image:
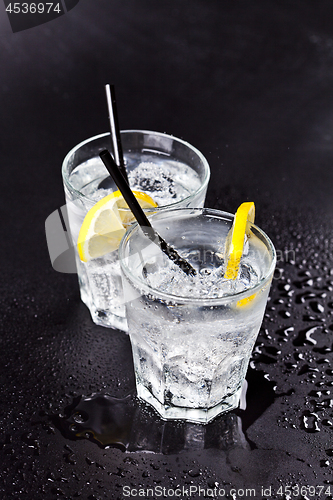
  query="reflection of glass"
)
[
  {"x": 134, "y": 427},
  {"x": 169, "y": 437},
  {"x": 192, "y": 337},
  {"x": 171, "y": 171}
]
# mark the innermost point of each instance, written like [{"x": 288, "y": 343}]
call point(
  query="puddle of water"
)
[{"x": 132, "y": 425}]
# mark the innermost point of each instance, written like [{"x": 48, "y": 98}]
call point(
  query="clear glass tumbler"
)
[
  {"x": 171, "y": 171},
  {"x": 192, "y": 337}
]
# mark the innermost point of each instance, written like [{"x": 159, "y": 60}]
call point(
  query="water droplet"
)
[
  {"x": 285, "y": 331},
  {"x": 307, "y": 369},
  {"x": 194, "y": 472},
  {"x": 285, "y": 314},
  {"x": 70, "y": 458},
  {"x": 304, "y": 337},
  {"x": 326, "y": 403},
  {"x": 317, "y": 307},
  {"x": 80, "y": 417},
  {"x": 310, "y": 422},
  {"x": 302, "y": 297},
  {"x": 316, "y": 394},
  {"x": 322, "y": 350}
]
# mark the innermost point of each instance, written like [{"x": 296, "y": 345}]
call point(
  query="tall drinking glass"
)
[
  {"x": 192, "y": 337},
  {"x": 171, "y": 171}
]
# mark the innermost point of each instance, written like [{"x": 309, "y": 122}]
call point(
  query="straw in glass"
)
[
  {"x": 140, "y": 216},
  {"x": 114, "y": 128}
]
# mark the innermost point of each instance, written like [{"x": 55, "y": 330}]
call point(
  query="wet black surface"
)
[{"x": 250, "y": 84}]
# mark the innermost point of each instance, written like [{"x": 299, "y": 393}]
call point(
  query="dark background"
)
[{"x": 250, "y": 84}]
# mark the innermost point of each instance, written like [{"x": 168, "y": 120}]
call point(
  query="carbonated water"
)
[
  {"x": 165, "y": 179},
  {"x": 192, "y": 336}
]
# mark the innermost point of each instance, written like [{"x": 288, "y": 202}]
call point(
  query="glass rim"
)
[
  {"x": 79, "y": 194},
  {"x": 202, "y": 301}
]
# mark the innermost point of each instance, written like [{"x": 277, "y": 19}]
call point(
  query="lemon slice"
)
[
  {"x": 144, "y": 200},
  {"x": 234, "y": 244},
  {"x": 245, "y": 302},
  {"x": 105, "y": 224}
]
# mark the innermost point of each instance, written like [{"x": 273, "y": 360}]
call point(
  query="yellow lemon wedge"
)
[
  {"x": 245, "y": 302},
  {"x": 105, "y": 224},
  {"x": 234, "y": 244},
  {"x": 126, "y": 215}
]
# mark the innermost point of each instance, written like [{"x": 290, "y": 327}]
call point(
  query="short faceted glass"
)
[
  {"x": 192, "y": 342},
  {"x": 169, "y": 169}
]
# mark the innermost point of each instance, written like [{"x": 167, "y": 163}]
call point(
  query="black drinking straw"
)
[
  {"x": 115, "y": 130},
  {"x": 140, "y": 216}
]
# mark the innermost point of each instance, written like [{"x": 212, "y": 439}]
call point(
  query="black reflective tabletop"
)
[{"x": 250, "y": 84}]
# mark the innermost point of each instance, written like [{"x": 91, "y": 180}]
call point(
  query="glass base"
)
[
  {"x": 104, "y": 318},
  {"x": 195, "y": 415},
  {"x": 109, "y": 320}
]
